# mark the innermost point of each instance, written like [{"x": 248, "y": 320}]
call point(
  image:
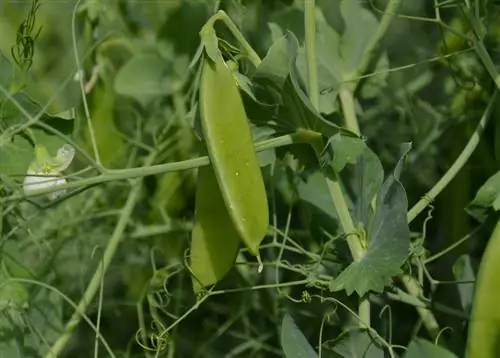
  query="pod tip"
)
[{"x": 261, "y": 265}]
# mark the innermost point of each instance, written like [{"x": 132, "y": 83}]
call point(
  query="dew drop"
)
[{"x": 237, "y": 174}]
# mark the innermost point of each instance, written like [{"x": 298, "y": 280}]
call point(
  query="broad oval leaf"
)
[
  {"x": 388, "y": 241},
  {"x": 339, "y": 55},
  {"x": 419, "y": 348},
  {"x": 487, "y": 199},
  {"x": 358, "y": 344},
  {"x": 464, "y": 269},
  {"x": 148, "y": 75},
  {"x": 293, "y": 342}
]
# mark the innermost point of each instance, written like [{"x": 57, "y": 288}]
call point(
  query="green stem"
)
[
  {"x": 429, "y": 321},
  {"x": 480, "y": 48},
  {"x": 123, "y": 174},
  {"x": 95, "y": 282},
  {"x": 346, "y": 93},
  {"x": 375, "y": 40},
  {"x": 457, "y": 165},
  {"x": 310, "y": 35},
  {"x": 404, "y": 297},
  {"x": 345, "y": 218},
  {"x": 409, "y": 282},
  {"x": 334, "y": 188},
  {"x": 82, "y": 86},
  {"x": 349, "y": 109}
]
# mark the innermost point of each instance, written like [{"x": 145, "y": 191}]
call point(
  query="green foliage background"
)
[{"x": 131, "y": 69}]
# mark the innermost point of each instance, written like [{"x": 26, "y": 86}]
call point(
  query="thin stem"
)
[
  {"x": 310, "y": 34},
  {"x": 82, "y": 86},
  {"x": 451, "y": 247},
  {"x": 457, "y": 165},
  {"x": 480, "y": 48},
  {"x": 67, "y": 300},
  {"x": 95, "y": 282},
  {"x": 347, "y": 91},
  {"x": 409, "y": 282},
  {"x": 221, "y": 15},
  {"x": 404, "y": 297}
]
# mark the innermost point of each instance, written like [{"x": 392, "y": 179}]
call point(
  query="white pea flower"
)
[{"x": 45, "y": 171}]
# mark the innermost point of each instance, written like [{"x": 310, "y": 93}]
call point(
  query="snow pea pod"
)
[
  {"x": 214, "y": 239},
  {"x": 484, "y": 326},
  {"x": 231, "y": 151}
]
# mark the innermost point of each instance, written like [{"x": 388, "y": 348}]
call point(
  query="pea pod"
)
[
  {"x": 232, "y": 153},
  {"x": 214, "y": 239},
  {"x": 110, "y": 144},
  {"x": 484, "y": 327}
]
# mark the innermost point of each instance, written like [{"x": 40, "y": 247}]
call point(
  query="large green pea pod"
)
[
  {"x": 232, "y": 153},
  {"x": 214, "y": 239},
  {"x": 484, "y": 326}
]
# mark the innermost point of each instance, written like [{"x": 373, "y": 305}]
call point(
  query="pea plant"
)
[{"x": 249, "y": 179}]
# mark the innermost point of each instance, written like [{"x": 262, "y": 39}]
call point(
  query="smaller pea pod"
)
[
  {"x": 214, "y": 239},
  {"x": 231, "y": 151},
  {"x": 484, "y": 326}
]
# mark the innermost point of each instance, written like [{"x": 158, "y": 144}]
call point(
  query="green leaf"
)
[
  {"x": 486, "y": 200},
  {"x": 244, "y": 83},
  {"x": 344, "y": 150},
  {"x": 291, "y": 19},
  {"x": 355, "y": 37},
  {"x": 314, "y": 191},
  {"x": 294, "y": 344},
  {"x": 419, "y": 348},
  {"x": 275, "y": 30},
  {"x": 266, "y": 157},
  {"x": 368, "y": 178},
  {"x": 297, "y": 111},
  {"x": 328, "y": 62},
  {"x": 296, "y": 107},
  {"x": 5, "y": 72},
  {"x": 16, "y": 152},
  {"x": 358, "y": 344},
  {"x": 26, "y": 331},
  {"x": 210, "y": 43},
  {"x": 46, "y": 314},
  {"x": 275, "y": 66},
  {"x": 464, "y": 270},
  {"x": 354, "y": 42},
  {"x": 12, "y": 294},
  {"x": 147, "y": 76},
  {"x": 278, "y": 75},
  {"x": 388, "y": 241},
  {"x": 339, "y": 55}
]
